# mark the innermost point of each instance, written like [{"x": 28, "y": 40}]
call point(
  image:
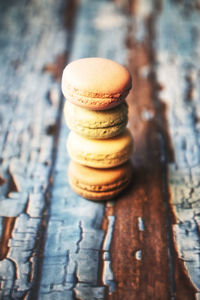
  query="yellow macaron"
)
[{"x": 96, "y": 153}]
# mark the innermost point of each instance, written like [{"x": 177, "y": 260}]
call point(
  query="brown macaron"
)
[{"x": 99, "y": 184}]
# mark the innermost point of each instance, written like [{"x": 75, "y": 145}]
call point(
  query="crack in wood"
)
[
  {"x": 108, "y": 277},
  {"x": 141, "y": 225},
  {"x": 7, "y": 227},
  {"x": 168, "y": 210},
  {"x": 2, "y": 181},
  {"x": 81, "y": 237}
]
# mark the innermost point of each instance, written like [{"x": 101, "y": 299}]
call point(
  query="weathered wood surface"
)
[
  {"x": 54, "y": 244},
  {"x": 29, "y": 105},
  {"x": 177, "y": 72}
]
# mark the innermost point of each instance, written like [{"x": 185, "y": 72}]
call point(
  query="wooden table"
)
[{"x": 55, "y": 244}]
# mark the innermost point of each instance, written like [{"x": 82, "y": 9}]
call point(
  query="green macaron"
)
[{"x": 96, "y": 124}]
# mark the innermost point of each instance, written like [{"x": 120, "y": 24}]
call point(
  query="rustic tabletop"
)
[{"x": 146, "y": 243}]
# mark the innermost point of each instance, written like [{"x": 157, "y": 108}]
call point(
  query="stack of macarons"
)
[{"x": 99, "y": 143}]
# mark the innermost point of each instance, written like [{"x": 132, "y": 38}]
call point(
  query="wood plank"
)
[
  {"x": 177, "y": 72},
  {"x": 76, "y": 245},
  {"x": 29, "y": 106},
  {"x": 141, "y": 241}
]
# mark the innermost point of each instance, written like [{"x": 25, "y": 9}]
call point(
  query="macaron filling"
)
[
  {"x": 92, "y": 195},
  {"x": 93, "y": 100},
  {"x": 99, "y": 133},
  {"x": 101, "y": 160},
  {"x": 106, "y": 187},
  {"x": 99, "y": 184}
]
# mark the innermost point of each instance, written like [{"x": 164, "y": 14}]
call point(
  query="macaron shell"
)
[
  {"x": 99, "y": 184},
  {"x": 96, "y": 124},
  {"x": 100, "y": 153},
  {"x": 95, "y": 83}
]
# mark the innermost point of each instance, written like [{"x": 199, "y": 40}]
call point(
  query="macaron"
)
[
  {"x": 99, "y": 184},
  {"x": 96, "y": 153},
  {"x": 96, "y": 83},
  {"x": 99, "y": 124}
]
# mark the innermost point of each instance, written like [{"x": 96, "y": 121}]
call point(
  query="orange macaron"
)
[{"x": 96, "y": 83}]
